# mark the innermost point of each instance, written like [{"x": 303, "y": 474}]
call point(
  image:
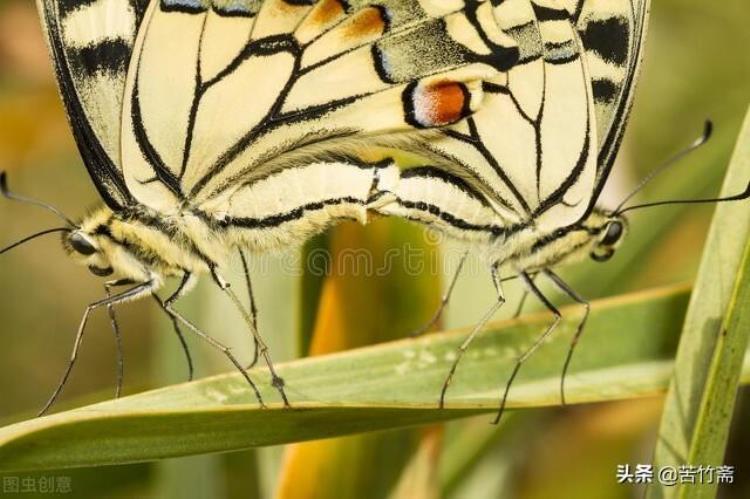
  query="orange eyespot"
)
[{"x": 437, "y": 104}]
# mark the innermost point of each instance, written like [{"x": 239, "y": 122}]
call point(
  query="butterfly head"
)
[
  {"x": 120, "y": 244},
  {"x": 609, "y": 229},
  {"x": 88, "y": 244},
  {"x": 100, "y": 243},
  {"x": 86, "y": 249}
]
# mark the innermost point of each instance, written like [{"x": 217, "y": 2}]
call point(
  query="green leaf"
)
[
  {"x": 625, "y": 353},
  {"x": 701, "y": 395},
  {"x": 715, "y": 415}
]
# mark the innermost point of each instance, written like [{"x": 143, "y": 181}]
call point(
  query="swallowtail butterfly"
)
[
  {"x": 521, "y": 177},
  {"x": 215, "y": 127},
  {"x": 212, "y": 127}
]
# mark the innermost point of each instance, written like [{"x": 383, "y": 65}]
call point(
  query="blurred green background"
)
[{"x": 697, "y": 66}]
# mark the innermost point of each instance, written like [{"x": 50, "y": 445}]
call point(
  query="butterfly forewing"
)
[
  {"x": 90, "y": 42},
  {"x": 612, "y": 33}
]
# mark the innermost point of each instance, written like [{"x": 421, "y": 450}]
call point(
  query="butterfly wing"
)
[
  {"x": 531, "y": 148},
  {"x": 612, "y": 33},
  {"x": 540, "y": 148},
  {"x": 90, "y": 42},
  {"x": 224, "y": 93}
]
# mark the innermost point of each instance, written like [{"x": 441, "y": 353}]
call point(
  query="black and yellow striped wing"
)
[
  {"x": 539, "y": 149},
  {"x": 91, "y": 43},
  {"x": 612, "y": 34},
  {"x": 223, "y": 94}
]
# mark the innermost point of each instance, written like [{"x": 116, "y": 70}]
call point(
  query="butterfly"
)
[
  {"x": 212, "y": 128},
  {"x": 521, "y": 177}
]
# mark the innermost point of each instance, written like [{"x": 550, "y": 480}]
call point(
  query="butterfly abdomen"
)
[
  {"x": 447, "y": 202},
  {"x": 291, "y": 205}
]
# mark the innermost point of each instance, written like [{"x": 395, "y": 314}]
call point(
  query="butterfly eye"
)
[
  {"x": 613, "y": 235},
  {"x": 81, "y": 244}
]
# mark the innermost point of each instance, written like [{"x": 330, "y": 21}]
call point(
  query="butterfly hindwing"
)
[
  {"x": 541, "y": 146},
  {"x": 90, "y": 42},
  {"x": 250, "y": 92},
  {"x": 531, "y": 148}
]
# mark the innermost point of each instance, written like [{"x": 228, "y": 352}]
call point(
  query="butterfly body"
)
[
  {"x": 141, "y": 244},
  {"x": 520, "y": 178}
]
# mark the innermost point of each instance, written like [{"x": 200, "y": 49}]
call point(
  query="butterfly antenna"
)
[
  {"x": 737, "y": 197},
  {"x": 23, "y": 199},
  {"x": 34, "y": 236},
  {"x": 708, "y": 129}
]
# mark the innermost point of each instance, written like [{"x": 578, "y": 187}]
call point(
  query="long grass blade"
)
[{"x": 698, "y": 408}]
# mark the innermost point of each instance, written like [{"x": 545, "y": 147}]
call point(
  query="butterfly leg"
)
[
  {"x": 532, "y": 287},
  {"x": 168, "y": 306},
  {"x": 563, "y": 286},
  {"x": 497, "y": 281},
  {"x": 181, "y": 338},
  {"x": 185, "y": 286},
  {"x": 444, "y": 300},
  {"x": 276, "y": 380},
  {"x": 129, "y": 295},
  {"x": 524, "y": 297},
  {"x": 116, "y": 330},
  {"x": 253, "y": 308}
]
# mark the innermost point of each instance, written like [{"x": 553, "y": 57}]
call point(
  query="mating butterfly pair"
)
[{"x": 212, "y": 127}]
